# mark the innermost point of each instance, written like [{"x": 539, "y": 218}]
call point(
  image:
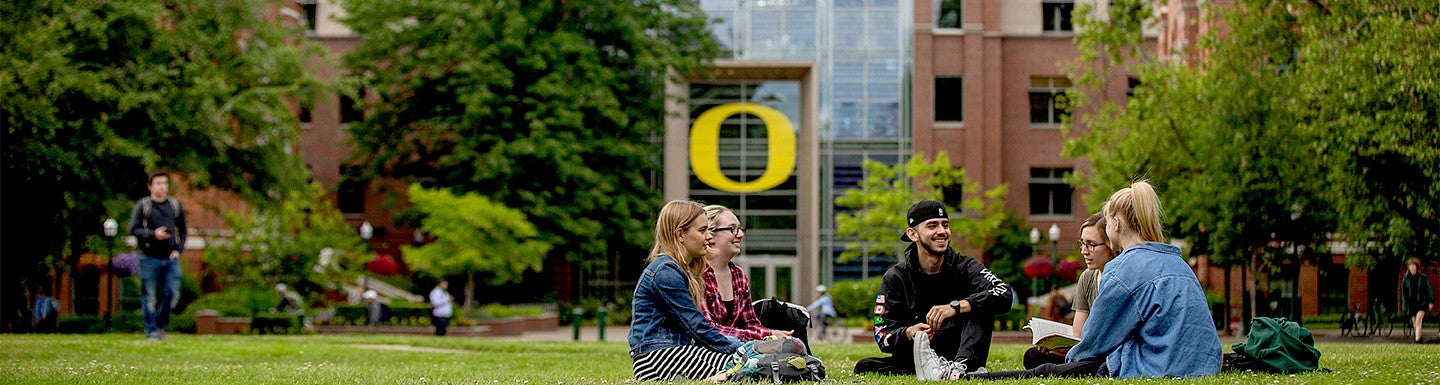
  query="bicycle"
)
[
  {"x": 833, "y": 333},
  {"x": 1378, "y": 321},
  {"x": 1352, "y": 322}
]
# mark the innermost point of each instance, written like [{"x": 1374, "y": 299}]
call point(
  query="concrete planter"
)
[
  {"x": 210, "y": 322},
  {"x": 541, "y": 322}
]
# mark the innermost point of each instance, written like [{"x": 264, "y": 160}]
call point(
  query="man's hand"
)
[
  {"x": 175, "y": 254},
  {"x": 781, "y": 333},
  {"x": 939, "y": 313},
  {"x": 161, "y": 234},
  {"x": 917, "y": 328}
]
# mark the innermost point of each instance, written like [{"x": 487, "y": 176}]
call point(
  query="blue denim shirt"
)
[
  {"x": 663, "y": 315},
  {"x": 1150, "y": 318}
]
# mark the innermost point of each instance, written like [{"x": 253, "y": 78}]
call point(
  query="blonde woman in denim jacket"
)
[
  {"x": 671, "y": 337},
  {"x": 1156, "y": 322}
]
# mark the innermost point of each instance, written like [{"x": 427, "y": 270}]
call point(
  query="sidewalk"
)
[{"x": 860, "y": 336}]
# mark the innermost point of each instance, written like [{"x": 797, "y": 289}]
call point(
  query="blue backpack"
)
[{"x": 775, "y": 360}]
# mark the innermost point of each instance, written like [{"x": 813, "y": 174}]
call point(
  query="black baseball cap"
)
[{"x": 920, "y": 212}]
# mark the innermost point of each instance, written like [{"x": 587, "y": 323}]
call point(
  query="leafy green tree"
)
[
  {"x": 96, "y": 94},
  {"x": 1258, "y": 151},
  {"x": 1370, "y": 89},
  {"x": 887, "y": 192},
  {"x": 473, "y": 235},
  {"x": 551, "y": 108},
  {"x": 303, "y": 242}
]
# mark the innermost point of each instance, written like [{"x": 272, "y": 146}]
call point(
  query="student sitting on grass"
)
[
  {"x": 1151, "y": 316},
  {"x": 671, "y": 337}
]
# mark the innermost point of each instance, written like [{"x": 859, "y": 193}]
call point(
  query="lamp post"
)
[
  {"x": 1034, "y": 246},
  {"x": 366, "y": 231},
  {"x": 111, "y": 228},
  {"x": 1054, "y": 250}
]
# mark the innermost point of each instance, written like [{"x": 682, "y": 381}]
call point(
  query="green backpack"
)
[{"x": 1275, "y": 345}]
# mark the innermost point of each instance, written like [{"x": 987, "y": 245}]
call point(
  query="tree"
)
[
  {"x": 551, "y": 108},
  {"x": 1258, "y": 153},
  {"x": 473, "y": 235},
  {"x": 96, "y": 94},
  {"x": 886, "y": 194},
  {"x": 302, "y": 241},
  {"x": 1370, "y": 90}
]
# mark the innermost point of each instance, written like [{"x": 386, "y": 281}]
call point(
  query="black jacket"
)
[
  {"x": 168, "y": 214},
  {"x": 905, "y": 298}
]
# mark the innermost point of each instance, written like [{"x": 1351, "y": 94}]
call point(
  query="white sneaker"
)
[{"x": 930, "y": 366}]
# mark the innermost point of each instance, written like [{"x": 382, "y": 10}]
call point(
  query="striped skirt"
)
[{"x": 681, "y": 363}]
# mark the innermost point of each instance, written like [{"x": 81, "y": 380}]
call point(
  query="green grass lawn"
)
[{"x": 364, "y": 359}]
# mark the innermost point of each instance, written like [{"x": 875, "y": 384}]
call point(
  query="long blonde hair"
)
[
  {"x": 676, "y": 216},
  {"x": 1140, "y": 206}
]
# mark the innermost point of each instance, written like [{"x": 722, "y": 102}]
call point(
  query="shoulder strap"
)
[{"x": 145, "y": 212}]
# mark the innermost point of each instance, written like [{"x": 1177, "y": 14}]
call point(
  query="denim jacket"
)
[
  {"x": 1150, "y": 318},
  {"x": 663, "y": 315}
]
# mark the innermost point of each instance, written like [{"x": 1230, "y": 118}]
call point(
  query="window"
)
[
  {"x": 1130, "y": 85},
  {"x": 1057, "y": 15},
  {"x": 351, "y": 191},
  {"x": 1049, "y": 194},
  {"x": 304, "y": 114},
  {"x": 1047, "y": 100},
  {"x": 949, "y": 98},
  {"x": 947, "y": 14},
  {"x": 309, "y": 6},
  {"x": 350, "y": 108}
]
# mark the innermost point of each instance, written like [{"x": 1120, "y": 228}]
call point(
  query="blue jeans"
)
[{"x": 156, "y": 301}]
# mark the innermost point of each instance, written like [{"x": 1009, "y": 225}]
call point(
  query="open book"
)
[{"x": 1050, "y": 334}]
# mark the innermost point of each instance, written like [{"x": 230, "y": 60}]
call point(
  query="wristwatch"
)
[{"x": 955, "y": 304}]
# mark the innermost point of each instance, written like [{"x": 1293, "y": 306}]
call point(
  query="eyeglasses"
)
[
  {"x": 733, "y": 229},
  {"x": 1087, "y": 246}
]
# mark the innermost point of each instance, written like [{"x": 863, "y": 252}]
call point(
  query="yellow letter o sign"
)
[{"x": 705, "y": 147}]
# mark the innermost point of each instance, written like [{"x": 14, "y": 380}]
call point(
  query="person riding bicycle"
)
[{"x": 823, "y": 308}]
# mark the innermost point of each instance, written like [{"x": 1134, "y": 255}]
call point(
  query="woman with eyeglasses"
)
[
  {"x": 1095, "y": 247},
  {"x": 727, "y": 288}
]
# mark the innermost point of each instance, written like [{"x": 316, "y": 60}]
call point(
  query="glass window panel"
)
[
  {"x": 758, "y": 280},
  {"x": 947, "y": 14},
  {"x": 884, "y": 31},
  {"x": 884, "y": 120},
  {"x": 767, "y": 29},
  {"x": 849, "y": 29},
  {"x": 847, "y": 119},
  {"x": 800, "y": 29},
  {"x": 771, "y": 222},
  {"x": 1040, "y": 104},
  {"x": 771, "y": 202},
  {"x": 949, "y": 99},
  {"x": 784, "y": 282}
]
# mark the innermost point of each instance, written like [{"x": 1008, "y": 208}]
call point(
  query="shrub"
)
[
  {"x": 855, "y": 298},
  {"x": 83, "y": 324}
]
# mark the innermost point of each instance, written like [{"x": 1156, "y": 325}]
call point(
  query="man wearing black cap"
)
[{"x": 949, "y": 298}]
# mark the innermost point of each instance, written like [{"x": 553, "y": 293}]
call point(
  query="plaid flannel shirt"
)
[{"x": 738, "y": 320}]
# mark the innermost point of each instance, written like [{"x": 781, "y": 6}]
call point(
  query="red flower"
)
[
  {"x": 1038, "y": 267},
  {"x": 1070, "y": 269},
  {"x": 383, "y": 264}
]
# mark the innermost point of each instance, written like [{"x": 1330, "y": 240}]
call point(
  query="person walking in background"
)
[
  {"x": 1095, "y": 247},
  {"x": 935, "y": 295},
  {"x": 440, "y": 307},
  {"x": 727, "y": 289},
  {"x": 822, "y": 308},
  {"x": 158, "y": 224},
  {"x": 291, "y": 303},
  {"x": 671, "y": 336},
  {"x": 374, "y": 310},
  {"x": 1416, "y": 296},
  {"x": 45, "y": 317}
]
